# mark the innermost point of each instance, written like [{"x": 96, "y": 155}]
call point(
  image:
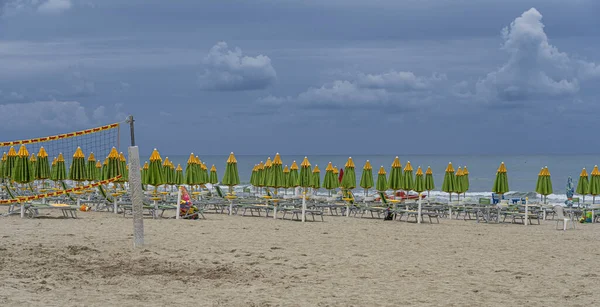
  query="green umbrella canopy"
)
[
  {"x": 286, "y": 177},
  {"x": 205, "y": 173},
  {"x": 202, "y": 171},
  {"x": 166, "y": 169},
  {"x": 501, "y": 181},
  {"x": 349, "y": 178},
  {"x": 366, "y": 179},
  {"x": 429, "y": 183},
  {"x": 98, "y": 171},
  {"x": 315, "y": 179},
  {"x": 32, "y": 165},
  {"x": 178, "y": 175},
  {"x": 231, "y": 177},
  {"x": 276, "y": 179},
  {"x": 260, "y": 173},
  {"x": 42, "y": 168},
  {"x": 294, "y": 175},
  {"x": 155, "y": 174},
  {"x": 113, "y": 168},
  {"x": 267, "y": 172},
  {"x": 305, "y": 173},
  {"x": 583, "y": 183},
  {"x": 330, "y": 181},
  {"x": 395, "y": 180},
  {"x": 253, "y": 175},
  {"x": 189, "y": 170},
  {"x": 61, "y": 169},
  {"x": 91, "y": 167},
  {"x": 466, "y": 184},
  {"x": 544, "y": 186},
  {"x": 9, "y": 165},
  {"x": 408, "y": 180},
  {"x": 105, "y": 169},
  {"x": 173, "y": 174},
  {"x": 214, "y": 178},
  {"x": 77, "y": 171},
  {"x": 449, "y": 184},
  {"x": 382, "y": 184},
  {"x": 594, "y": 187},
  {"x": 419, "y": 186},
  {"x": 21, "y": 171},
  {"x": 123, "y": 168},
  {"x": 2, "y": 161},
  {"x": 53, "y": 170},
  {"x": 458, "y": 183}
]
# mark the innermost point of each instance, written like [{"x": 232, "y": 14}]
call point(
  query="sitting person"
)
[{"x": 186, "y": 209}]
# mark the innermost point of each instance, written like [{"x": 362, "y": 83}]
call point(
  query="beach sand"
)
[{"x": 251, "y": 261}]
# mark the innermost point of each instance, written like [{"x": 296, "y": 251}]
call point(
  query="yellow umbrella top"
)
[
  {"x": 546, "y": 172},
  {"x": 203, "y": 165},
  {"x": 294, "y": 166},
  {"x": 4, "y": 157},
  {"x": 155, "y": 156},
  {"x": 42, "y": 153},
  {"x": 54, "y": 161},
  {"x": 191, "y": 159},
  {"x": 459, "y": 172},
  {"x": 106, "y": 161},
  {"x": 99, "y": 164},
  {"x": 122, "y": 157},
  {"x": 231, "y": 158},
  {"x": 114, "y": 154},
  {"x": 335, "y": 170},
  {"x": 213, "y": 168},
  {"x": 167, "y": 162},
  {"x": 78, "y": 154},
  {"x": 179, "y": 169},
  {"x": 91, "y": 157},
  {"x": 449, "y": 168},
  {"x": 366, "y": 167},
  {"x": 197, "y": 160},
  {"x": 465, "y": 170},
  {"x": 305, "y": 162},
  {"x": 316, "y": 169},
  {"x": 32, "y": 158},
  {"x": 146, "y": 166},
  {"x": 255, "y": 168},
  {"x": 502, "y": 168},
  {"x": 541, "y": 173},
  {"x": 419, "y": 171},
  {"x": 171, "y": 165},
  {"x": 408, "y": 167},
  {"x": 429, "y": 171},
  {"x": 261, "y": 166},
  {"x": 269, "y": 163},
  {"x": 349, "y": 163},
  {"x": 329, "y": 167},
  {"x": 595, "y": 171},
  {"x": 12, "y": 152},
  {"x": 60, "y": 158},
  {"x": 277, "y": 160},
  {"x": 286, "y": 169},
  {"x": 381, "y": 171},
  {"x": 396, "y": 163},
  {"x": 583, "y": 173}
]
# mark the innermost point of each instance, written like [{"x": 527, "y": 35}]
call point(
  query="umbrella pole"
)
[
  {"x": 450, "y": 205},
  {"x": 304, "y": 206},
  {"x": 419, "y": 213},
  {"x": 230, "y": 200},
  {"x": 275, "y": 205}
]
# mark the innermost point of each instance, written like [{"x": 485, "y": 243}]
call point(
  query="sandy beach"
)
[{"x": 250, "y": 261}]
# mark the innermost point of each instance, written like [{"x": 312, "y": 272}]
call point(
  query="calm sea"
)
[{"x": 522, "y": 169}]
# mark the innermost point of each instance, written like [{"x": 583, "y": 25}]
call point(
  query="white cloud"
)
[
  {"x": 535, "y": 68},
  {"x": 99, "y": 114},
  {"x": 43, "y": 114},
  {"x": 230, "y": 70},
  {"x": 398, "y": 80},
  {"x": 54, "y": 6},
  {"x": 344, "y": 93}
]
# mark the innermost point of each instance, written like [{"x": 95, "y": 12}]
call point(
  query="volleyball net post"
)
[{"x": 135, "y": 188}]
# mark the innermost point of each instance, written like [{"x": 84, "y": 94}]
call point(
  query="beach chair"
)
[{"x": 560, "y": 214}]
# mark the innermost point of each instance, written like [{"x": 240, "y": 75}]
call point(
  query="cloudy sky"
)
[{"x": 307, "y": 77}]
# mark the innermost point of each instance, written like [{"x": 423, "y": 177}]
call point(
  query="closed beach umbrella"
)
[
  {"x": 382, "y": 184},
  {"x": 466, "y": 184},
  {"x": 155, "y": 172},
  {"x": 53, "y": 170},
  {"x": 113, "y": 166},
  {"x": 2, "y": 162},
  {"x": 204, "y": 170},
  {"x": 32, "y": 165},
  {"x": 501, "y": 182},
  {"x": 9, "y": 165},
  {"x": 458, "y": 186},
  {"x": 395, "y": 179},
  {"x": 214, "y": 178},
  {"x": 583, "y": 184},
  {"x": 544, "y": 187},
  {"x": 304, "y": 182},
  {"x": 42, "y": 168},
  {"x": 429, "y": 183},
  {"x": 594, "y": 188},
  {"x": 260, "y": 174},
  {"x": 105, "y": 169},
  {"x": 98, "y": 173},
  {"x": 276, "y": 180},
  {"x": 77, "y": 171},
  {"x": 179, "y": 176},
  {"x": 449, "y": 183},
  {"x": 253, "y": 175},
  {"x": 294, "y": 176},
  {"x": 167, "y": 173},
  {"x": 330, "y": 181},
  {"x": 61, "y": 169},
  {"x": 21, "y": 170},
  {"x": 123, "y": 168},
  {"x": 266, "y": 177},
  {"x": 315, "y": 182},
  {"x": 173, "y": 174},
  {"x": 570, "y": 190},
  {"x": 231, "y": 177},
  {"x": 189, "y": 171},
  {"x": 419, "y": 187},
  {"x": 366, "y": 179},
  {"x": 286, "y": 178},
  {"x": 91, "y": 167},
  {"x": 145, "y": 173},
  {"x": 349, "y": 179},
  {"x": 408, "y": 181}
]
